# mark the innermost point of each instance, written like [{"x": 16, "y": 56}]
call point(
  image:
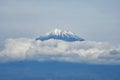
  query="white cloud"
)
[{"x": 56, "y": 50}]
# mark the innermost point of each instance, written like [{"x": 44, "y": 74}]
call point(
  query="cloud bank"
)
[{"x": 56, "y": 50}]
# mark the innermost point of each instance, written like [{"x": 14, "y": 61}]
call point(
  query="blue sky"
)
[{"x": 91, "y": 19}]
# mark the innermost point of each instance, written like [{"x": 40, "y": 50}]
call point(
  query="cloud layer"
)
[{"x": 56, "y": 50}]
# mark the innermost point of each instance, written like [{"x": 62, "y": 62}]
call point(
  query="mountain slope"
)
[{"x": 60, "y": 35}]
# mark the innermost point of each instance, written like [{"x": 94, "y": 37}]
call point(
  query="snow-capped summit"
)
[
  {"x": 56, "y": 31},
  {"x": 59, "y": 34}
]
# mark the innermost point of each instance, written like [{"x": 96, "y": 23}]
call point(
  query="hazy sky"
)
[{"x": 90, "y": 19}]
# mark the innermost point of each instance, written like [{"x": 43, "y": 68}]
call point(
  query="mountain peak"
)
[
  {"x": 59, "y": 34},
  {"x": 55, "y": 32}
]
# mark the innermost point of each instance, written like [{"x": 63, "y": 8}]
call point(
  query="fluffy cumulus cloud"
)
[{"x": 56, "y": 50}]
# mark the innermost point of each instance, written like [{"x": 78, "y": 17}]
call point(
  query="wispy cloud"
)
[{"x": 56, "y": 50}]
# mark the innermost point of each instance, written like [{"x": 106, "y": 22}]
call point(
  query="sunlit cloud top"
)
[{"x": 91, "y": 52}]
